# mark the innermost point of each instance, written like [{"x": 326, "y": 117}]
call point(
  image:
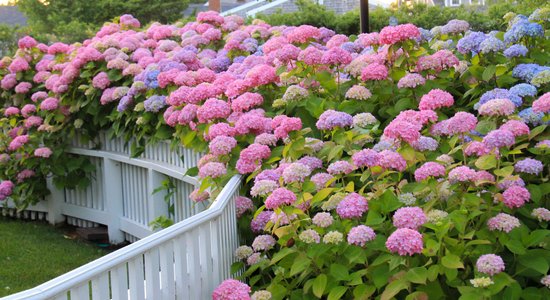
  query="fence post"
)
[
  {"x": 156, "y": 206},
  {"x": 113, "y": 197},
  {"x": 54, "y": 203}
]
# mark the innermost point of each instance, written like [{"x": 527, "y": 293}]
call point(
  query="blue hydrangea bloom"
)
[
  {"x": 154, "y": 103},
  {"x": 523, "y": 89},
  {"x": 530, "y": 117},
  {"x": 526, "y": 72},
  {"x": 522, "y": 28},
  {"x": 499, "y": 94}
]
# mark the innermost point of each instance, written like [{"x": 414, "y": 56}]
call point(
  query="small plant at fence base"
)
[{"x": 404, "y": 162}]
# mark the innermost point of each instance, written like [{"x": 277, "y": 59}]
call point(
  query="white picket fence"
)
[
  {"x": 120, "y": 195},
  {"x": 185, "y": 261}
]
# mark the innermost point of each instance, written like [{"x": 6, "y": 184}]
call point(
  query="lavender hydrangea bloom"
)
[
  {"x": 331, "y": 118},
  {"x": 491, "y": 44},
  {"x": 498, "y": 94},
  {"x": 515, "y": 51},
  {"x": 471, "y": 42},
  {"x": 154, "y": 103}
]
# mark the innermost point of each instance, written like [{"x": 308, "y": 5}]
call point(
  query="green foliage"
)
[
  {"x": 71, "y": 21},
  {"x": 8, "y": 39},
  {"x": 480, "y": 18}
]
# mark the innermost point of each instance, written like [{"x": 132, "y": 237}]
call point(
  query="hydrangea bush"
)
[{"x": 406, "y": 163}]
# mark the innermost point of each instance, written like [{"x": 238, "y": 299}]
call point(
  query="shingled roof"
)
[{"x": 12, "y": 16}]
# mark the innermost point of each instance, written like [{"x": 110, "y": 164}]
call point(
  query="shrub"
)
[{"x": 390, "y": 164}]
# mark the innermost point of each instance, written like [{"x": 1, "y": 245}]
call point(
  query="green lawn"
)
[{"x": 33, "y": 252}]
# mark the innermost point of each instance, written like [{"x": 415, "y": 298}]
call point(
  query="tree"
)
[{"x": 76, "y": 20}]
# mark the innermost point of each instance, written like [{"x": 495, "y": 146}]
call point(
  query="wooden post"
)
[
  {"x": 215, "y": 5},
  {"x": 55, "y": 201},
  {"x": 113, "y": 197},
  {"x": 156, "y": 205},
  {"x": 364, "y": 15}
]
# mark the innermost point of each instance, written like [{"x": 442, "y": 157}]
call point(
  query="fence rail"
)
[{"x": 185, "y": 261}]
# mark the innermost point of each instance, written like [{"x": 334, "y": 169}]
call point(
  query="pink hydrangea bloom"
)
[
  {"x": 542, "y": 104},
  {"x": 435, "y": 99},
  {"x": 365, "y": 158},
  {"x": 18, "y": 65},
  {"x": 358, "y": 92},
  {"x": 11, "y": 111},
  {"x": 340, "y": 167},
  {"x": 222, "y": 145},
  {"x": 295, "y": 172},
  {"x": 242, "y": 205},
  {"x": 499, "y": 138},
  {"x": 6, "y": 189},
  {"x": 231, "y": 289},
  {"x": 101, "y": 81},
  {"x": 279, "y": 197},
  {"x": 43, "y": 152},
  {"x": 392, "y": 160},
  {"x": 515, "y": 196},
  {"x": 405, "y": 241},
  {"x": 503, "y": 222},
  {"x": 429, "y": 169},
  {"x": 49, "y": 104},
  {"x": 213, "y": 109},
  {"x": 374, "y": 71},
  {"x": 398, "y": 129},
  {"x": 18, "y": 142},
  {"x": 390, "y": 35},
  {"x": 352, "y": 206},
  {"x": 462, "y": 174},
  {"x": 33, "y": 121},
  {"x": 26, "y": 42},
  {"x": 23, "y": 87},
  {"x": 497, "y": 107},
  {"x": 518, "y": 128},
  {"x": 476, "y": 148},
  {"x": 246, "y": 101},
  {"x": 321, "y": 179},
  {"x": 283, "y": 125},
  {"x": 409, "y": 217},
  {"x": 360, "y": 235},
  {"x": 411, "y": 80},
  {"x": 490, "y": 264},
  {"x": 212, "y": 169}
]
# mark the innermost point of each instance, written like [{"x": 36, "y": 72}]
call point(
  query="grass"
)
[{"x": 32, "y": 253}]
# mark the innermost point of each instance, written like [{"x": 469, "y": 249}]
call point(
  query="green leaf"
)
[
  {"x": 489, "y": 72},
  {"x": 393, "y": 289},
  {"x": 452, "y": 261},
  {"x": 417, "y": 275},
  {"x": 486, "y": 162},
  {"x": 281, "y": 254},
  {"x": 363, "y": 292},
  {"x": 236, "y": 267},
  {"x": 337, "y": 292},
  {"x": 536, "y": 131},
  {"x": 321, "y": 195},
  {"x": 504, "y": 172},
  {"x": 300, "y": 264},
  {"x": 319, "y": 285},
  {"x": 515, "y": 247},
  {"x": 537, "y": 236},
  {"x": 194, "y": 171},
  {"x": 534, "y": 262},
  {"x": 339, "y": 272}
]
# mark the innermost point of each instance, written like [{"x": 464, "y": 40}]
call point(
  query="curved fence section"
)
[
  {"x": 122, "y": 194},
  {"x": 185, "y": 261}
]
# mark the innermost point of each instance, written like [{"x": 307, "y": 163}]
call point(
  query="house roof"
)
[{"x": 12, "y": 16}]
